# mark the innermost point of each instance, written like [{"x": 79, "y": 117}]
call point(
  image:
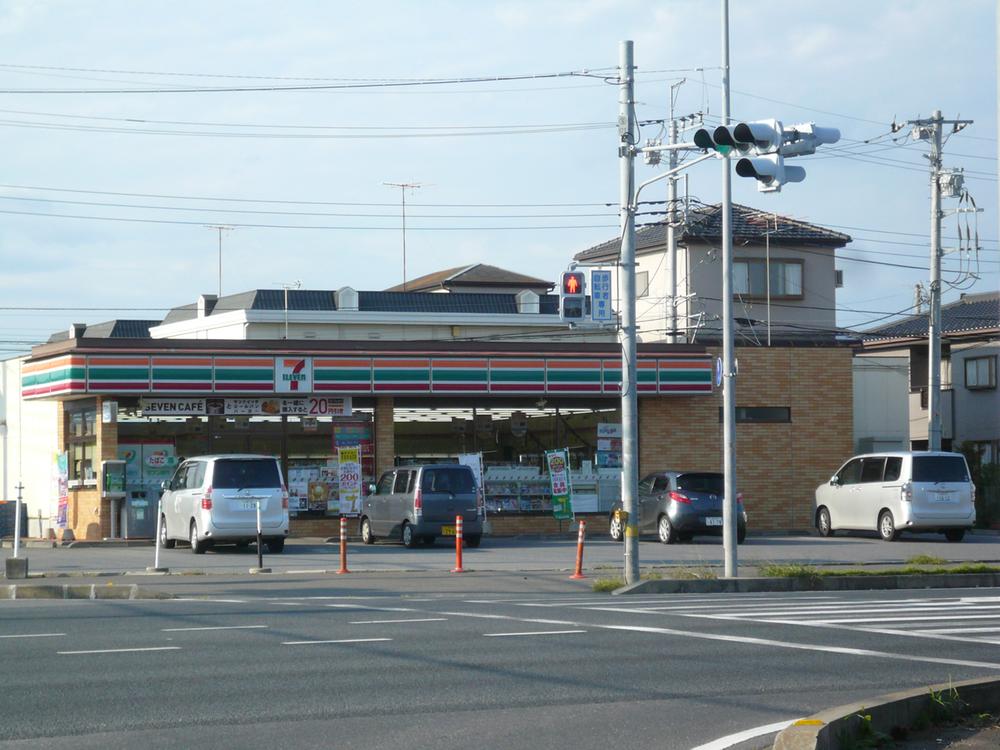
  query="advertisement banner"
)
[
  {"x": 311, "y": 406},
  {"x": 298, "y": 487},
  {"x": 562, "y": 491},
  {"x": 349, "y": 474},
  {"x": 609, "y": 446},
  {"x": 62, "y": 485}
]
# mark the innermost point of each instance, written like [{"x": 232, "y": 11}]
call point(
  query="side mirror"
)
[
  {"x": 164, "y": 485},
  {"x": 834, "y": 481},
  {"x": 371, "y": 488}
]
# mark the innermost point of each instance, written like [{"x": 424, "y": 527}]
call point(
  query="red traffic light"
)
[{"x": 572, "y": 283}]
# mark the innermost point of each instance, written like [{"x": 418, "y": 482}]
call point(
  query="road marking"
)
[
  {"x": 120, "y": 650},
  {"x": 534, "y": 632},
  {"x": 412, "y": 619},
  {"x": 342, "y": 640},
  {"x": 747, "y": 734},
  {"x": 943, "y": 631},
  {"x": 33, "y": 635},
  {"x": 214, "y": 601},
  {"x": 369, "y": 608},
  {"x": 213, "y": 627}
]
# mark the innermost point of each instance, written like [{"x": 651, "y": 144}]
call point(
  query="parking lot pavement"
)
[{"x": 519, "y": 554}]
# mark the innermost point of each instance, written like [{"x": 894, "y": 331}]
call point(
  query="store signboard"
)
[
  {"x": 293, "y": 375},
  {"x": 349, "y": 476},
  {"x": 600, "y": 296},
  {"x": 312, "y": 406},
  {"x": 562, "y": 491}
]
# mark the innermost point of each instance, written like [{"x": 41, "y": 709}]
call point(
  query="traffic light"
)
[
  {"x": 572, "y": 296},
  {"x": 770, "y": 171},
  {"x": 762, "y": 135}
]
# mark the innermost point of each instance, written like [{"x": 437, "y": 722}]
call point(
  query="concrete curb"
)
[
  {"x": 820, "y": 583},
  {"x": 109, "y": 544},
  {"x": 828, "y": 729},
  {"x": 80, "y": 591}
]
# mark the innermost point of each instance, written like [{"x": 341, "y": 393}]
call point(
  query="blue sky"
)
[{"x": 516, "y": 173}]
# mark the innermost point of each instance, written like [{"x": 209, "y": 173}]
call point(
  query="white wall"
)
[
  {"x": 28, "y": 444},
  {"x": 881, "y": 405}
]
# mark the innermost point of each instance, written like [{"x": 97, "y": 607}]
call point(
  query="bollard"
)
[
  {"x": 579, "y": 550},
  {"x": 458, "y": 545},
  {"x": 156, "y": 554},
  {"x": 260, "y": 544},
  {"x": 343, "y": 546}
]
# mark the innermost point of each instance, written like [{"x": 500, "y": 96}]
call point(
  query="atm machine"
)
[
  {"x": 147, "y": 465},
  {"x": 113, "y": 490}
]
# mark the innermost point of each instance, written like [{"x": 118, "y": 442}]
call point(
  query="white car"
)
[
  {"x": 213, "y": 500},
  {"x": 901, "y": 491}
]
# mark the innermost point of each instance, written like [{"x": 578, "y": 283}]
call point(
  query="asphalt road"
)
[
  {"x": 520, "y": 554},
  {"x": 271, "y": 667}
]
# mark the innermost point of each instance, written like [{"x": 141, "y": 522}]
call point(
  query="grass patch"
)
[
  {"x": 694, "y": 574},
  {"x": 926, "y": 560},
  {"x": 603, "y": 585},
  {"x": 789, "y": 570},
  {"x": 606, "y": 585},
  {"x": 810, "y": 572}
]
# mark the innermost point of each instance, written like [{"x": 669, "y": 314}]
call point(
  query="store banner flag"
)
[
  {"x": 562, "y": 491},
  {"x": 349, "y": 464},
  {"x": 62, "y": 480}
]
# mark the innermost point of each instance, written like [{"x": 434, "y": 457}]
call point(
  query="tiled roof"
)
[
  {"x": 426, "y": 302},
  {"x": 971, "y": 313},
  {"x": 478, "y": 274},
  {"x": 704, "y": 225},
  {"x": 298, "y": 299},
  {"x": 112, "y": 329}
]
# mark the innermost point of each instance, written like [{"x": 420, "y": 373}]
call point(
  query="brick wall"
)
[
  {"x": 385, "y": 438},
  {"x": 778, "y": 466}
]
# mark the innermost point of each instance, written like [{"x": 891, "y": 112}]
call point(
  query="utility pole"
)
[
  {"x": 630, "y": 403},
  {"x": 930, "y": 130},
  {"x": 286, "y": 285},
  {"x": 729, "y": 519},
  {"x": 220, "y": 228},
  {"x": 672, "y": 336},
  {"x": 403, "y": 186}
]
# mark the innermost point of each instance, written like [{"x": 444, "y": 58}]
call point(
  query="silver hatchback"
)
[{"x": 214, "y": 500}]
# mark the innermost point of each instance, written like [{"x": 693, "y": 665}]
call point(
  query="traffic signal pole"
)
[
  {"x": 627, "y": 334},
  {"x": 728, "y": 361}
]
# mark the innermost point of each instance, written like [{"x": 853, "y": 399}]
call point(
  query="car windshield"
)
[
  {"x": 238, "y": 473},
  {"x": 939, "y": 469},
  {"x": 706, "y": 482}
]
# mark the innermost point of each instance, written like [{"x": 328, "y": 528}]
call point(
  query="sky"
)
[{"x": 131, "y": 128}]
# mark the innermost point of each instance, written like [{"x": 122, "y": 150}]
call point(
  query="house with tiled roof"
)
[
  {"x": 970, "y": 401},
  {"x": 784, "y": 276},
  {"x": 475, "y": 278}
]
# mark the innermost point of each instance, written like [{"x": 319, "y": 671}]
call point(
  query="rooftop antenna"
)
[
  {"x": 403, "y": 186},
  {"x": 220, "y": 228}
]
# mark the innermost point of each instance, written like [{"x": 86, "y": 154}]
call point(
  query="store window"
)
[
  {"x": 81, "y": 441},
  {"x": 981, "y": 373},
  {"x": 750, "y": 278}
]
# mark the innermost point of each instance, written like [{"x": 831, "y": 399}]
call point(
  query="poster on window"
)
[
  {"x": 349, "y": 474},
  {"x": 298, "y": 487},
  {"x": 562, "y": 491}
]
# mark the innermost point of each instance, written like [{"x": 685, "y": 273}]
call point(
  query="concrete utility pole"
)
[
  {"x": 671, "y": 217},
  {"x": 627, "y": 335},
  {"x": 930, "y": 130},
  {"x": 729, "y": 519},
  {"x": 403, "y": 186}
]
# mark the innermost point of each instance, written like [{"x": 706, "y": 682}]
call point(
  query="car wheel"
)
[
  {"x": 276, "y": 546},
  {"x": 366, "y": 532},
  {"x": 665, "y": 529},
  {"x": 472, "y": 540},
  {"x": 409, "y": 539},
  {"x": 954, "y": 535},
  {"x": 197, "y": 546},
  {"x": 615, "y": 529},
  {"x": 165, "y": 542},
  {"x": 823, "y": 523},
  {"x": 887, "y": 527},
  {"x": 741, "y": 534}
]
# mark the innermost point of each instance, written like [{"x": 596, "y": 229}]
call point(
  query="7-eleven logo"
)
[{"x": 293, "y": 375}]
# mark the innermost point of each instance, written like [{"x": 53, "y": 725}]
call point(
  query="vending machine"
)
[{"x": 147, "y": 465}]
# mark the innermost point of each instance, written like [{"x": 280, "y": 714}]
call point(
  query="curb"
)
[
  {"x": 822, "y": 583},
  {"x": 828, "y": 729},
  {"x": 80, "y": 591},
  {"x": 110, "y": 544}
]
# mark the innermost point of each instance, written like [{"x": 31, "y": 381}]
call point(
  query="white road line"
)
[
  {"x": 412, "y": 619},
  {"x": 342, "y": 640},
  {"x": 369, "y": 608},
  {"x": 533, "y": 632},
  {"x": 910, "y": 618},
  {"x": 747, "y": 734},
  {"x": 213, "y": 601},
  {"x": 946, "y": 631},
  {"x": 213, "y": 627},
  {"x": 33, "y": 635},
  {"x": 861, "y": 610},
  {"x": 289, "y": 604},
  {"x": 120, "y": 650},
  {"x": 740, "y": 639}
]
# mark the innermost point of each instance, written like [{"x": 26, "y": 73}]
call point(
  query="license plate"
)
[
  {"x": 713, "y": 522},
  {"x": 943, "y": 498},
  {"x": 448, "y": 531},
  {"x": 248, "y": 504}
]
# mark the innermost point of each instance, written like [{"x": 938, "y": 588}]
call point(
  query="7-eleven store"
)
[{"x": 152, "y": 402}]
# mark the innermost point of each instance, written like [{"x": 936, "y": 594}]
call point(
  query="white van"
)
[
  {"x": 213, "y": 500},
  {"x": 894, "y": 492}
]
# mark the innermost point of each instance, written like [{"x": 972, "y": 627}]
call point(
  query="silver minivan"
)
[
  {"x": 899, "y": 491},
  {"x": 420, "y": 503},
  {"x": 213, "y": 500}
]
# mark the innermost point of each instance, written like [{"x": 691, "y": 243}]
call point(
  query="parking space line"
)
[
  {"x": 533, "y": 632},
  {"x": 119, "y": 650},
  {"x": 32, "y": 635},
  {"x": 412, "y": 619},
  {"x": 341, "y": 640},
  {"x": 213, "y": 627}
]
